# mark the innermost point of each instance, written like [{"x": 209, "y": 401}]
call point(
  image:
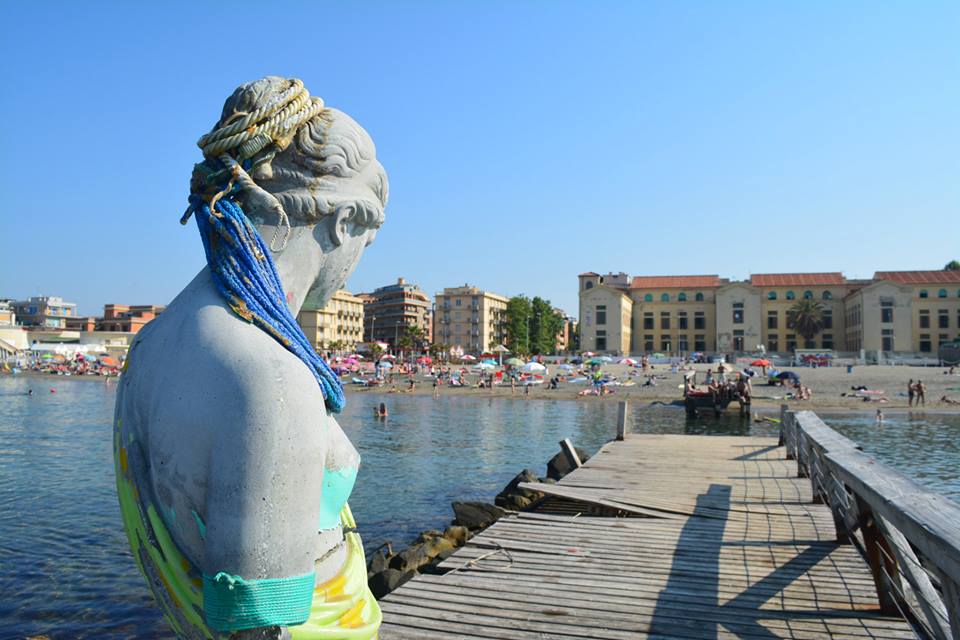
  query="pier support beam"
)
[{"x": 622, "y": 410}]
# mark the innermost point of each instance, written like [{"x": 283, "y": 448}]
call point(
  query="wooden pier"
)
[{"x": 671, "y": 536}]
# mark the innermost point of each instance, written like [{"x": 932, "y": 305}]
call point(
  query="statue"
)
[{"x": 232, "y": 474}]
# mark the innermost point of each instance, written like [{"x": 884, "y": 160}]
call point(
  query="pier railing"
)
[{"x": 908, "y": 535}]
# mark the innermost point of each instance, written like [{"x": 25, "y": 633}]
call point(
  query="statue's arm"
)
[{"x": 263, "y": 506}]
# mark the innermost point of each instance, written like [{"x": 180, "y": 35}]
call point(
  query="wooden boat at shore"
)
[{"x": 698, "y": 401}]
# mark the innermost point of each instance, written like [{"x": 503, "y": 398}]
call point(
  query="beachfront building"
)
[
  {"x": 470, "y": 319},
  {"x": 338, "y": 324},
  {"x": 567, "y": 336},
  {"x": 907, "y": 312},
  {"x": 389, "y": 310},
  {"x": 8, "y": 317},
  {"x": 117, "y": 318},
  {"x": 48, "y": 312},
  {"x": 647, "y": 314}
]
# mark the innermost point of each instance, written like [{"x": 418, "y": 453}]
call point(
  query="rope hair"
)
[{"x": 290, "y": 158}]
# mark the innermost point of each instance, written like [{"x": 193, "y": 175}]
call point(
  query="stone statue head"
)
[{"x": 306, "y": 175}]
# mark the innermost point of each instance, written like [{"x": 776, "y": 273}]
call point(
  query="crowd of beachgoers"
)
[
  {"x": 766, "y": 387},
  {"x": 78, "y": 364}
]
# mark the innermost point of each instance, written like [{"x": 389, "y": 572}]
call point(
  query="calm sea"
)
[{"x": 65, "y": 570}]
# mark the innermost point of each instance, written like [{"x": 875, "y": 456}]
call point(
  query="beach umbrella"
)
[
  {"x": 566, "y": 367},
  {"x": 468, "y": 358},
  {"x": 533, "y": 367},
  {"x": 387, "y": 356},
  {"x": 386, "y": 365},
  {"x": 490, "y": 361},
  {"x": 107, "y": 361},
  {"x": 596, "y": 361},
  {"x": 605, "y": 359},
  {"x": 485, "y": 366},
  {"x": 588, "y": 354},
  {"x": 627, "y": 361},
  {"x": 355, "y": 356},
  {"x": 90, "y": 358},
  {"x": 788, "y": 375},
  {"x": 424, "y": 360},
  {"x": 763, "y": 362},
  {"x": 515, "y": 362}
]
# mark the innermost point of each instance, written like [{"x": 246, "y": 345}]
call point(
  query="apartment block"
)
[
  {"x": 470, "y": 318},
  {"x": 389, "y": 310},
  {"x": 48, "y": 312},
  {"x": 338, "y": 322}
]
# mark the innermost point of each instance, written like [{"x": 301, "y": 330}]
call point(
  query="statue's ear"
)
[{"x": 338, "y": 225}]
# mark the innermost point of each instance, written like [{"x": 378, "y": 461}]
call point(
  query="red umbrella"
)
[
  {"x": 424, "y": 360},
  {"x": 760, "y": 363}
]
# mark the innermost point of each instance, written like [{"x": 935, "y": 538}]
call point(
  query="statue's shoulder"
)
[{"x": 208, "y": 350}]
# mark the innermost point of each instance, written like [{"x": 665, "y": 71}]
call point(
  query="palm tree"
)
[
  {"x": 438, "y": 351},
  {"x": 417, "y": 336},
  {"x": 806, "y": 318}
]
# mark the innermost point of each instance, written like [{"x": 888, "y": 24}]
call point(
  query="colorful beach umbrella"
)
[
  {"x": 628, "y": 361},
  {"x": 515, "y": 362}
]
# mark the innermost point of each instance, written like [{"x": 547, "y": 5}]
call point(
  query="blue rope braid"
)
[{"x": 246, "y": 276}]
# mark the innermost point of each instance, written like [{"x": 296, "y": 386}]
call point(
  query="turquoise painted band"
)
[{"x": 232, "y": 603}]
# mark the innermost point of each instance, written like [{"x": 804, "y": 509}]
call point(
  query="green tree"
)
[
  {"x": 806, "y": 318},
  {"x": 376, "y": 351},
  {"x": 545, "y": 324},
  {"x": 953, "y": 265},
  {"x": 418, "y": 337},
  {"x": 519, "y": 310}
]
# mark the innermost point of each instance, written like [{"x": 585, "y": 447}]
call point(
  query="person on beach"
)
[
  {"x": 910, "y": 392},
  {"x": 946, "y": 400},
  {"x": 879, "y": 415},
  {"x": 436, "y": 385},
  {"x": 921, "y": 392}
]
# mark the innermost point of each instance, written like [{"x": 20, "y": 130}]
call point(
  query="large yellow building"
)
[
  {"x": 469, "y": 318},
  {"x": 910, "y": 312},
  {"x": 340, "y": 320}
]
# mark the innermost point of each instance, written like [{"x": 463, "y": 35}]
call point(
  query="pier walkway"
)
[{"x": 671, "y": 536}]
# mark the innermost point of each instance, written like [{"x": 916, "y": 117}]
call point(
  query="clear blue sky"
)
[{"x": 525, "y": 141}]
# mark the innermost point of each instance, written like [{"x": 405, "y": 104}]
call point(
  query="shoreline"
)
[{"x": 827, "y": 383}]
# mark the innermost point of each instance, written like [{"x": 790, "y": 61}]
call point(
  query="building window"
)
[
  {"x": 699, "y": 342},
  {"x": 808, "y": 295},
  {"x": 699, "y": 321},
  {"x": 664, "y": 297},
  {"x": 683, "y": 297},
  {"x": 886, "y": 338},
  {"x": 699, "y": 297},
  {"x": 772, "y": 345},
  {"x": 458, "y": 301},
  {"x": 790, "y": 295},
  {"x": 923, "y": 293},
  {"x": 648, "y": 297},
  {"x": 791, "y": 342},
  {"x": 827, "y": 319},
  {"x": 601, "y": 314},
  {"x": 682, "y": 343},
  {"x": 601, "y": 340},
  {"x": 665, "y": 345},
  {"x": 664, "y": 319},
  {"x": 925, "y": 343},
  {"x": 943, "y": 319},
  {"x": 648, "y": 320},
  {"x": 827, "y": 295},
  {"x": 682, "y": 321},
  {"x": 737, "y": 313},
  {"x": 738, "y": 340},
  {"x": 886, "y": 311},
  {"x": 772, "y": 319},
  {"x": 944, "y": 338},
  {"x": 924, "y": 319},
  {"x": 772, "y": 295},
  {"x": 588, "y": 285},
  {"x": 648, "y": 343},
  {"x": 942, "y": 293}
]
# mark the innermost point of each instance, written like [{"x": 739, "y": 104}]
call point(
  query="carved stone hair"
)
[{"x": 316, "y": 162}]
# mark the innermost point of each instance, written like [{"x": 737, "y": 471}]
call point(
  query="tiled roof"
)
[
  {"x": 588, "y": 273},
  {"x": 797, "y": 279},
  {"x": 919, "y": 277},
  {"x": 675, "y": 282}
]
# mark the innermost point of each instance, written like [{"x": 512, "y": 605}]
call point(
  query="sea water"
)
[{"x": 65, "y": 568}]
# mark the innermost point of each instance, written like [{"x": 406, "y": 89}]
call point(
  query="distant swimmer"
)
[
  {"x": 879, "y": 416},
  {"x": 381, "y": 411}
]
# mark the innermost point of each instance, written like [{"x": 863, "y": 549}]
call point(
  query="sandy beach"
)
[{"x": 828, "y": 385}]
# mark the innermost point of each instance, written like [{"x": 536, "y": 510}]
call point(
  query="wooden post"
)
[
  {"x": 783, "y": 422},
  {"x": 622, "y": 420},
  {"x": 567, "y": 447},
  {"x": 815, "y": 467},
  {"x": 879, "y": 557}
]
